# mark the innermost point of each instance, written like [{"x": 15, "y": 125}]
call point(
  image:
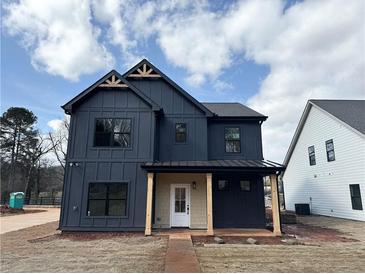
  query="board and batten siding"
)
[{"x": 325, "y": 186}]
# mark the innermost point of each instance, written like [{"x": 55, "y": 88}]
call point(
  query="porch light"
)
[{"x": 194, "y": 185}]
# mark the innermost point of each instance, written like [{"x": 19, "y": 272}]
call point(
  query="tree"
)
[
  {"x": 35, "y": 149},
  {"x": 16, "y": 129},
  {"x": 59, "y": 140}
]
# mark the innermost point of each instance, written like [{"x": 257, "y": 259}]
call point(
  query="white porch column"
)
[
  {"x": 209, "y": 205},
  {"x": 275, "y": 206},
  {"x": 149, "y": 204}
]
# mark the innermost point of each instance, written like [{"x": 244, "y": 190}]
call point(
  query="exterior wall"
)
[
  {"x": 234, "y": 208},
  {"x": 251, "y": 145},
  {"x": 107, "y": 164},
  {"x": 177, "y": 109},
  {"x": 325, "y": 186},
  {"x": 198, "y": 198}
]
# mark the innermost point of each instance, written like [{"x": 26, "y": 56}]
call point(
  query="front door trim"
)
[{"x": 172, "y": 201}]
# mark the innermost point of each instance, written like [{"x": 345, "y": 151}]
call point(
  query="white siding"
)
[{"x": 325, "y": 186}]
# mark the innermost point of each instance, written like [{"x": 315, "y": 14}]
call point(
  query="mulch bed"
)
[
  {"x": 301, "y": 233},
  {"x": 309, "y": 233},
  {"x": 202, "y": 240},
  {"x": 4, "y": 211}
]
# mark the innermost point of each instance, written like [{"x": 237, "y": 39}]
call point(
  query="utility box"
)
[
  {"x": 16, "y": 200},
  {"x": 302, "y": 209}
]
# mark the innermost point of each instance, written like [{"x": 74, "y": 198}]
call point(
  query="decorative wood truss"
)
[
  {"x": 144, "y": 71},
  {"x": 113, "y": 82}
]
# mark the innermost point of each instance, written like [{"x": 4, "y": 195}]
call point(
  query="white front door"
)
[{"x": 180, "y": 205}]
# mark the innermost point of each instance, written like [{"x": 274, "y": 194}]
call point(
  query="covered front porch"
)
[{"x": 210, "y": 197}]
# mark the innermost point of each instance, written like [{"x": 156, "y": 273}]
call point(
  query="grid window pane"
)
[
  {"x": 356, "y": 197},
  {"x": 232, "y": 139},
  {"x": 121, "y": 140},
  {"x": 180, "y": 133},
  {"x": 312, "y": 155},
  {"x": 245, "y": 185},
  {"x": 330, "y": 149},
  {"x": 96, "y": 208},
  {"x": 113, "y": 132},
  {"x": 117, "y": 208},
  {"x": 107, "y": 199},
  {"x": 222, "y": 184},
  {"x": 97, "y": 191}
]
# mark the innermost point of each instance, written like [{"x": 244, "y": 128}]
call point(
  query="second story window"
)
[
  {"x": 312, "y": 155},
  {"x": 180, "y": 133},
  {"x": 232, "y": 139},
  {"x": 112, "y": 133},
  {"x": 330, "y": 151}
]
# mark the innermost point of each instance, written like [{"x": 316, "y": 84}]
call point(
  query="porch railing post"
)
[
  {"x": 148, "y": 228},
  {"x": 210, "y": 230},
  {"x": 275, "y": 206}
]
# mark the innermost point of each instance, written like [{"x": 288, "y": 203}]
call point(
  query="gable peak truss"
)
[
  {"x": 113, "y": 82},
  {"x": 144, "y": 71}
]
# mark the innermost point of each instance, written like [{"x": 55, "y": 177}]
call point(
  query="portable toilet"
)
[{"x": 16, "y": 200}]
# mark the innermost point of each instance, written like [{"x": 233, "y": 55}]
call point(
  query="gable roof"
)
[
  {"x": 348, "y": 112},
  {"x": 233, "y": 110},
  {"x": 117, "y": 80},
  {"x": 351, "y": 112},
  {"x": 156, "y": 71}
]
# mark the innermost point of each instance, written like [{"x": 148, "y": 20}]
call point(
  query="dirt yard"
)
[
  {"x": 339, "y": 246},
  {"x": 5, "y": 211},
  {"x": 39, "y": 249}
]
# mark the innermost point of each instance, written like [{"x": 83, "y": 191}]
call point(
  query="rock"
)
[
  {"x": 218, "y": 240},
  {"x": 290, "y": 241},
  {"x": 251, "y": 241}
]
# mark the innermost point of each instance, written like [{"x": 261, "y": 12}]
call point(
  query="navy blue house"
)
[{"x": 143, "y": 155}]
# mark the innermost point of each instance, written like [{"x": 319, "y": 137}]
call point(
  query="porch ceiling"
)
[{"x": 249, "y": 166}]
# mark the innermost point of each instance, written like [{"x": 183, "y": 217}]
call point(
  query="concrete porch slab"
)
[{"x": 183, "y": 233}]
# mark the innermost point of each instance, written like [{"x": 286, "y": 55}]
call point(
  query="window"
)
[
  {"x": 222, "y": 185},
  {"x": 330, "y": 151},
  {"x": 355, "y": 197},
  {"x": 113, "y": 133},
  {"x": 232, "y": 139},
  {"x": 245, "y": 185},
  {"x": 312, "y": 155},
  {"x": 180, "y": 133},
  {"x": 107, "y": 199}
]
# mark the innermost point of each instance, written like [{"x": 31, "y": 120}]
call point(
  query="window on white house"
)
[
  {"x": 312, "y": 155},
  {"x": 330, "y": 151},
  {"x": 355, "y": 197}
]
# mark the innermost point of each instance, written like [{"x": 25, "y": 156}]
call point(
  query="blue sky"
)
[
  {"x": 24, "y": 86},
  {"x": 271, "y": 55}
]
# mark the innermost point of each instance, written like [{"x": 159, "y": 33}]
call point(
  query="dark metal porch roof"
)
[{"x": 252, "y": 166}]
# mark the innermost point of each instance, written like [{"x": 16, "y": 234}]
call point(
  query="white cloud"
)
[
  {"x": 59, "y": 36},
  {"x": 314, "y": 49},
  {"x": 55, "y": 124}
]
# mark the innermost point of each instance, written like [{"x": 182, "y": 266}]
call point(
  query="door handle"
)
[{"x": 187, "y": 209}]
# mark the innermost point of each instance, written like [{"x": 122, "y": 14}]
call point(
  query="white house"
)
[{"x": 326, "y": 159}]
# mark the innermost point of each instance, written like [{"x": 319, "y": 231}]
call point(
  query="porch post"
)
[
  {"x": 275, "y": 206},
  {"x": 209, "y": 205},
  {"x": 149, "y": 204}
]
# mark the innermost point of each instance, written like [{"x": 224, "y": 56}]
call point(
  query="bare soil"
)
[
  {"x": 4, "y": 211},
  {"x": 43, "y": 249},
  {"x": 329, "y": 245}
]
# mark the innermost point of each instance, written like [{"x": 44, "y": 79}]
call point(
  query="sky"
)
[{"x": 269, "y": 55}]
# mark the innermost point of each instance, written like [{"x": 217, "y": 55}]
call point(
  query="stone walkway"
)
[
  {"x": 16, "y": 222},
  {"x": 180, "y": 256}
]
